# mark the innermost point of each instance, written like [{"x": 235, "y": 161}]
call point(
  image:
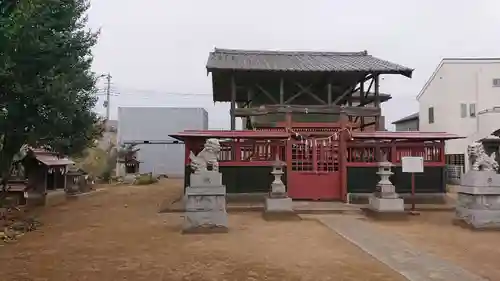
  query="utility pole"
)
[{"x": 108, "y": 95}]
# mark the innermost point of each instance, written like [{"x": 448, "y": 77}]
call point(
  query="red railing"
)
[
  {"x": 246, "y": 152},
  {"x": 263, "y": 152},
  {"x": 368, "y": 154}
]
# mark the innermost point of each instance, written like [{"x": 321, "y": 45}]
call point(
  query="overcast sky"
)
[{"x": 156, "y": 50}]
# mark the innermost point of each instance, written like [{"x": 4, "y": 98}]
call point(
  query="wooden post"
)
[
  {"x": 377, "y": 101},
  {"x": 329, "y": 92},
  {"x": 394, "y": 155},
  {"x": 343, "y": 156},
  {"x": 289, "y": 146},
  {"x": 282, "y": 90},
  {"x": 187, "y": 149},
  {"x": 362, "y": 100},
  {"x": 233, "y": 103},
  {"x": 65, "y": 179},
  {"x": 248, "y": 119},
  {"x": 236, "y": 150},
  {"x": 413, "y": 192},
  {"x": 442, "y": 154}
]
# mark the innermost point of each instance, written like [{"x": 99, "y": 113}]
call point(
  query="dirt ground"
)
[
  {"x": 476, "y": 251},
  {"x": 117, "y": 234}
]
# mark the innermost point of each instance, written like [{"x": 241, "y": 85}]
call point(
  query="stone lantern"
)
[
  {"x": 385, "y": 188},
  {"x": 277, "y": 201},
  {"x": 278, "y": 188},
  {"x": 385, "y": 198}
]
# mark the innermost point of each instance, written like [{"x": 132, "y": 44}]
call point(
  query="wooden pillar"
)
[
  {"x": 282, "y": 90},
  {"x": 362, "y": 100},
  {"x": 377, "y": 101},
  {"x": 349, "y": 99},
  {"x": 65, "y": 178},
  {"x": 288, "y": 120},
  {"x": 54, "y": 179},
  {"x": 187, "y": 149},
  {"x": 343, "y": 138},
  {"x": 288, "y": 146},
  {"x": 233, "y": 103},
  {"x": 236, "y": 150},
  {"x": 329, "y": 92},
  {"x": 394, "y": 155},
  {"x": 248, "y": 120},
  {"x": 442, "y": 154}
]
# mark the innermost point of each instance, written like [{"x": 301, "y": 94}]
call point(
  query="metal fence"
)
[{"x": 454, "y": 173}]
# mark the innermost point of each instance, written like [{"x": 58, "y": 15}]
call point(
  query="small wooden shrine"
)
[{"x": 127, "y": 159}]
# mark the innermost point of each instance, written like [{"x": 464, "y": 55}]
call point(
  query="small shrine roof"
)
[{"x": 52, "y": 160}]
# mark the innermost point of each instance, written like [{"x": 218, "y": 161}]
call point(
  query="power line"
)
[{"x": 135, "y": 91}]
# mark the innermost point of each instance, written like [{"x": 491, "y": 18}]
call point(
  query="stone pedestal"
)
[
  {"x": 478, "y": 200},
  {"x": 205, "y": 201},
  {"x": 386, "y": 204},
  {"x": 274, "y": 204},
  {"x": 278, "y": 205},
  {"x": 385, "y": 200}
]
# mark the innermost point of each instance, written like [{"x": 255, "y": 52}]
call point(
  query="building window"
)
[
  {"x": 496, "y": 82},
  {"x": 431, "y": 115},
  {"x": 463, "y": 110},
  {"x": 472, "y": 110}
]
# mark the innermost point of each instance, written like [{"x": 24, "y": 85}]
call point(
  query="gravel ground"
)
[
  {"x": 433, "y": 232},
  {"x": 117, "y": 234}
]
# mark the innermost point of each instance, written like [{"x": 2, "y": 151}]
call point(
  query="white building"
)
[
  {"x": 461, "y": 98},
  {"x": 150, "y": 127}
]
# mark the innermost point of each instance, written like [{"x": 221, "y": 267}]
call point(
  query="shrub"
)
[{"x": 145, "y": 179}]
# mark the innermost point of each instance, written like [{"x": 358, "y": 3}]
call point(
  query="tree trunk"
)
[{"x": 9, "y": 148}]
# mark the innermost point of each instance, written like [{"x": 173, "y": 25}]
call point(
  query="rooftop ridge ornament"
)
[{"x": 207, "y": 157}]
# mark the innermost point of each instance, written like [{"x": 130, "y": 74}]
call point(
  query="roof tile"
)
[{"x": 227, "y": 59}]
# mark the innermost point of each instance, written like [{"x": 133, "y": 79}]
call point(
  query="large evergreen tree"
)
[{"x": 47, "y": 89}]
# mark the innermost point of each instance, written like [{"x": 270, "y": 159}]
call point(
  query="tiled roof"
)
[
  {"x": 407, "y": 118},
  {"x": 52, "y": 160},
  {"x": 224, "y": 59}
]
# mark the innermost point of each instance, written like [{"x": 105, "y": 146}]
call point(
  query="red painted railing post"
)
[
  {"x": 442, "y": 152},
  {"x": 394, "y": 152},
  {"x": 187, "y": 148},
  {"x": 236, "y": 148},
  {"x": 343, "y": 156}
]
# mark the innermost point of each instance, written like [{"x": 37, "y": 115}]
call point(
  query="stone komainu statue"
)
[
  {"x": 479, "y": 160},
  {"x": 208, "y": 156}
]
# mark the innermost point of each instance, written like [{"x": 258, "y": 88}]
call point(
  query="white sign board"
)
[{"x": 412, "y": 164}]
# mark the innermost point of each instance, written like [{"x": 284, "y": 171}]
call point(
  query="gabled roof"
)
[
  {"x": 302, "y": 61},
  {"x": 52, "y": 160},
  {"x": 410, "y": 117},
  {"x": 454, "y": 60}
]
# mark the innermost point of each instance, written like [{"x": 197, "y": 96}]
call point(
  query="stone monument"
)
[
  {"x": 478, "y": 196},
  {"x": 205, "y": 197},
  {"x": 278, "y": 204},
  {"x": 385, "y": 200}
]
